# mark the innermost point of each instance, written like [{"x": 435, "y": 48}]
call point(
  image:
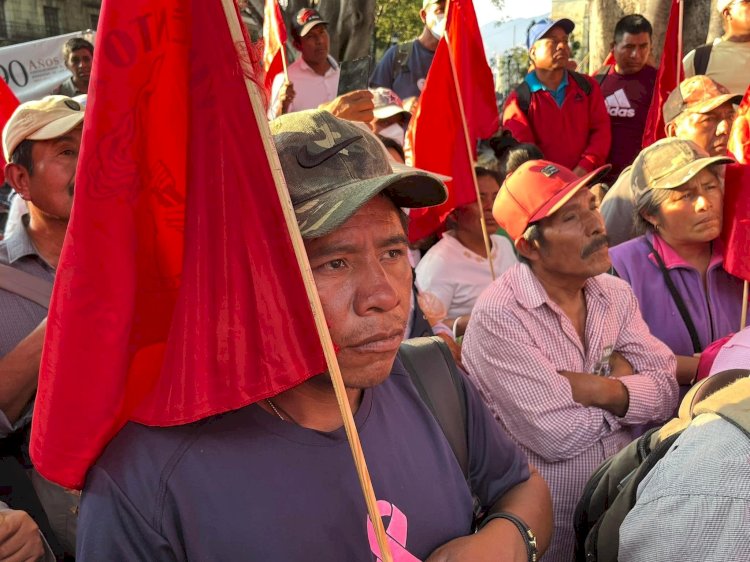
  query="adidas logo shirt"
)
[{"x": 628, "y": 98}]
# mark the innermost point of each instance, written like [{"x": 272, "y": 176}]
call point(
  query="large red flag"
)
[
  {"x": 274, "y": 41},
  {"x": 739, "y": 140},
  {"x": 436, "y": 133},
  {"x": 8, "y": 104},
  {"x": 668, "y": 77},
  {"x": 736, "y": 233},
  {"x": 178, "y": 295}
]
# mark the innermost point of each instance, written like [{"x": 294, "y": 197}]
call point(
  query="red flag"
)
[
  {"x": 436, "y": 133},
  {"x": 668, "y": 77},
  {"x": 739, "y": 140},
  {"x": 178, "y": 295},
  {"x": 609, "y": 61},
  {"x": 274, "y": 41},
  {"x": 8, "y": 104},
  {"x": 736, "y": 232}
]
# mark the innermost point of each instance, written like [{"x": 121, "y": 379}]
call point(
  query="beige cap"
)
[
  {"x": 44, "y": 119},
  {"x": 722, "y": 5}
]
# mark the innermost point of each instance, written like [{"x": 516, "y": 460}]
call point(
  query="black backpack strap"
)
[
  {"x": 401, "y": 60},
  {"x": 581, "y": 80},
  {"x": 435, "y": 376},
  {"x": 677, "y": 298},
  {"x": 523, "y": 97},
  {"x": 702, "y": 56},
  {"x": 602, "y": 74}
]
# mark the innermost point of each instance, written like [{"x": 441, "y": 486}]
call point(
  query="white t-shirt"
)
[
  {"x": 310, "y": 88},
  {"x": 457, "y": 276},
  {"x": 729, "y": 65}
]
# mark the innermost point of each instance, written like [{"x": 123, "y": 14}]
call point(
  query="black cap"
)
[{"x": 304, "y": 21}]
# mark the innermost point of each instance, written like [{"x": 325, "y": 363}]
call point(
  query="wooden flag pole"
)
[
  {"x": 470, "y": 152},
  {"x": 743, "y": 317},
  {"x": 312, "y": 293}
]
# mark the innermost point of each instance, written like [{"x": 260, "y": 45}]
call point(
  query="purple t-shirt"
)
[
  {"x": 247, "y": 486},
  {"x": 628, "y": 98}
]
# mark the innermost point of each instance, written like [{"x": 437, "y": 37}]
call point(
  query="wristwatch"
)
[{"x": 528, "y": 535}]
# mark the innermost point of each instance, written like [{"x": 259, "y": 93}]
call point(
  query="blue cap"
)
[{"x": 540, "y": 28}]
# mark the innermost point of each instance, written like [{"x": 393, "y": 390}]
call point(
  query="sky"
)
[{"x": 513, "y": 9}]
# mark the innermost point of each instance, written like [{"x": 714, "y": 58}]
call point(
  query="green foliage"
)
[{"x": 397, "y": 19}]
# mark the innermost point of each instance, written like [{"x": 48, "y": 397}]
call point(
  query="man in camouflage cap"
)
[
  {"x": 278, "y": 474},
  {"x": 699, "y": 110}
]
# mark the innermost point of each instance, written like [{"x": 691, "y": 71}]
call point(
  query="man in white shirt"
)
[
  {"x": 314, "y": 77},
  {"x": 727, "y": 60}
]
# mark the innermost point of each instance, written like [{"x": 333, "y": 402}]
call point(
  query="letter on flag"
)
[
  {"x": 274, "y": 41},
  {"x": 178, "y": 295},
  {"x": 668, "y": 77},
  {"x": 436, "y": 132}
]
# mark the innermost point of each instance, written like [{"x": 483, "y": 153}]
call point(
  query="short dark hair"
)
[
  {"x": 22, "y": 155},
  {"x": 532, "y": 234},
  {"x": 517, "y": 155},
  {"x": 390, "y": 143},
  {"x": 75, "y": 43},
  {"x": 633, "y": 24},
  {"x": 482, "y": 172}
]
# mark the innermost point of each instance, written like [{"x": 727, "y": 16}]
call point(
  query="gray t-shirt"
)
[
  {"x": 248, "y": 486},
  {"x": 617, "y": 208}
]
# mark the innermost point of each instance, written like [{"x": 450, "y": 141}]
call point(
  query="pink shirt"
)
[
  {"x": 518, "y": 340},
  {"x": 310, "y": 88}
]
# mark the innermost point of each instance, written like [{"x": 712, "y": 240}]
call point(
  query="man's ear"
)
[
  {"x": 532, "y": 55},
  {"x": 670, "y": 129},
  {"x": 423, "y": 16},
  {"x": 17, "y": 177},
  {"x": 529, "y": 250}
]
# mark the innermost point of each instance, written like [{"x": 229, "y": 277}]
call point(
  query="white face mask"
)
[
  {"x": 438, "y": 27},
  {"x": 394, "y": 131}
]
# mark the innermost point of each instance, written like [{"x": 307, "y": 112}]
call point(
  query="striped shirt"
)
[
  {"x": 518, "y": 340},
  {"x": 19, "y": 316}
]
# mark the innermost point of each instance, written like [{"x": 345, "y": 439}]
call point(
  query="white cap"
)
[{"x": 722, "y": 5}]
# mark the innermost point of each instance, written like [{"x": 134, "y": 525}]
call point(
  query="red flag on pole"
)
[
  {"x": 668, "y": 77},
  {"x": 274, "y": 41},
  {"x": 178, "y": 295},
  {"x": 436, "y": 133},
  {"x": 609, "y": 61},
  {"x": 736, "y": 232},
  {"x": 739, "y": 140},
  {"x": 8, "y": 104}
]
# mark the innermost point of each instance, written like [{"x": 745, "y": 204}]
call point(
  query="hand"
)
[
  {"x": 20, "y": 539},
  {"x": 580, "y": 171},
  {"x": 621, "y": 367},
  {"x": 498, "y": 541},
  {"x": 354, "y": 106},
  {"x": 607, "y": 393},
  {"x": 286, "y": 97}
]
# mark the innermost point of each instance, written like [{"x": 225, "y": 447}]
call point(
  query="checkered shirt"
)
[{"x": 517, "y": 342}]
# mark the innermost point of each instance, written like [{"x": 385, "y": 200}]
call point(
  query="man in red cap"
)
[
  {"x": 314, "y": 77},
  {"x": 558, "y": 347}
]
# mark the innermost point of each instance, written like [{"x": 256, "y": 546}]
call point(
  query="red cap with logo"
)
[{"x": 535, "y": 191}]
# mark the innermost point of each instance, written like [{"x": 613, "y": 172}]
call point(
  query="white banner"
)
[{"x": 34, "y": 69}]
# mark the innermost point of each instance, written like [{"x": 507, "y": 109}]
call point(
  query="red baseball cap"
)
[{"x": 536, "y": 190}]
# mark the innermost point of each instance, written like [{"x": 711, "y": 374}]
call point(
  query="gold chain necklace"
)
[{"x": 275, "y": 409}]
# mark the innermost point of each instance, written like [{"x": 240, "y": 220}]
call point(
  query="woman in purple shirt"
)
[{"x": 676, "y": 268}]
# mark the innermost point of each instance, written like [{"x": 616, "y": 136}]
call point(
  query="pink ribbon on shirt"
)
[{"x": 396, "y": 533}]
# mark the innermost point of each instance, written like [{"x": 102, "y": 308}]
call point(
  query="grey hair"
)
[
  {"x": 532, "y": 235},
  {"x": 648, "y": 204}
]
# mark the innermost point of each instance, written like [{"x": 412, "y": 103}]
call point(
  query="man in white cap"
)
[
  {"x": 390, "y": 117},
  {"x": 41, "y": 141},
  {"x": 727, "y": 59}
]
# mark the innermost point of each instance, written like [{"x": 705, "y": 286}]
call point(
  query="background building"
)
[{"x": 26, "y": 20}]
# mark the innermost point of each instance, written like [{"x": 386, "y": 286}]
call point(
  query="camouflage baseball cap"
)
[
  {"x": 697, "y": 94},
  {"x": 333, "y": 167},
  {"x": 669, "y": 163}
]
